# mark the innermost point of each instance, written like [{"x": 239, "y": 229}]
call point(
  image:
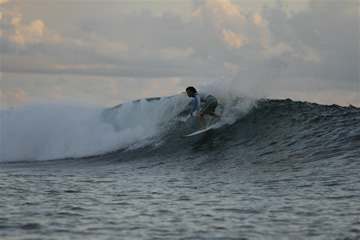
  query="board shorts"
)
[{"x": 209, "y": 106}]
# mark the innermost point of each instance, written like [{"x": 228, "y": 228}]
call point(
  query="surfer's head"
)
[{"x": 191, "y": 91}]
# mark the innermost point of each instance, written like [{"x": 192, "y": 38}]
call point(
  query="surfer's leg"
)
[
  {"x": 210, "y": 109},
  {"x": 209, "y": 106},
  {"x": 202, "y": 121}
]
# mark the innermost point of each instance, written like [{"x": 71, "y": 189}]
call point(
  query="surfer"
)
[{"x": 209, "y": 107}]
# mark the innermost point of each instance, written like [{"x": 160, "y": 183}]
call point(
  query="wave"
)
[{"x": 71, "y": 129}]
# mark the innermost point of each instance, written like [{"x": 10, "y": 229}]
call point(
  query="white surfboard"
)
[{"x": 199, "y": 132}]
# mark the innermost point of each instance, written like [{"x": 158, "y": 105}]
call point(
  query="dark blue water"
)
[{"x": 272, "y": 169}]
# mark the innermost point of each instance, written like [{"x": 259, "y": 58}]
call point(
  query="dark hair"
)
[{"x": 191, "y": 88}]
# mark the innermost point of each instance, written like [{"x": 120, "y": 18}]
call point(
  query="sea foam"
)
[{"x": 73, "y": 129}]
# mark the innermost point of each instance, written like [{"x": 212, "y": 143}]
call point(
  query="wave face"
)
[{"x": 271, "y": 129}]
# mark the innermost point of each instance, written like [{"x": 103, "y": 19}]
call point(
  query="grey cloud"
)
[
  {"x": 331, "y": 29},
  {"x": 325, "y": 27}
]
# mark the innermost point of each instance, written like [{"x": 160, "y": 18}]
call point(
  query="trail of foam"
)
[
  {"x": 41, "y": 131},
  {"x": 71, "y": 129}
]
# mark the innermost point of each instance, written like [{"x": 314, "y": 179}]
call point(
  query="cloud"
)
[
  {"x": 30, "y": 34},
  {"x": 325, "y": 37},
  {"x": 20, "y": 33},
  {"x": 15, "y": 98},
  {"x": 143, "y": 46},
  {"x": 232, "y": 39},
  {"x": 106, "y": 46},
  {"x": 170, "y": 53},
  {"x": 103, "y": 90}
]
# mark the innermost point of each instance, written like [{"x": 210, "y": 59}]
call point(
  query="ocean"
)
[{"x": 271, "y": 169}]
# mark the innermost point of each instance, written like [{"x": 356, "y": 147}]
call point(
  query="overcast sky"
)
[{"x": 115, "y": 51}]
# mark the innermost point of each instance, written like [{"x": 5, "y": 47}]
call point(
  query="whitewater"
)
[{"x": 271, "y": 169}]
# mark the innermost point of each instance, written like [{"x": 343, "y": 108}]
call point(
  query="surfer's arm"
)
[{"x": 196, "y": 105}]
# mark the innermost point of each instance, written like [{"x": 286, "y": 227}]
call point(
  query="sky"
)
[{"x": 109, "y": 52}]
